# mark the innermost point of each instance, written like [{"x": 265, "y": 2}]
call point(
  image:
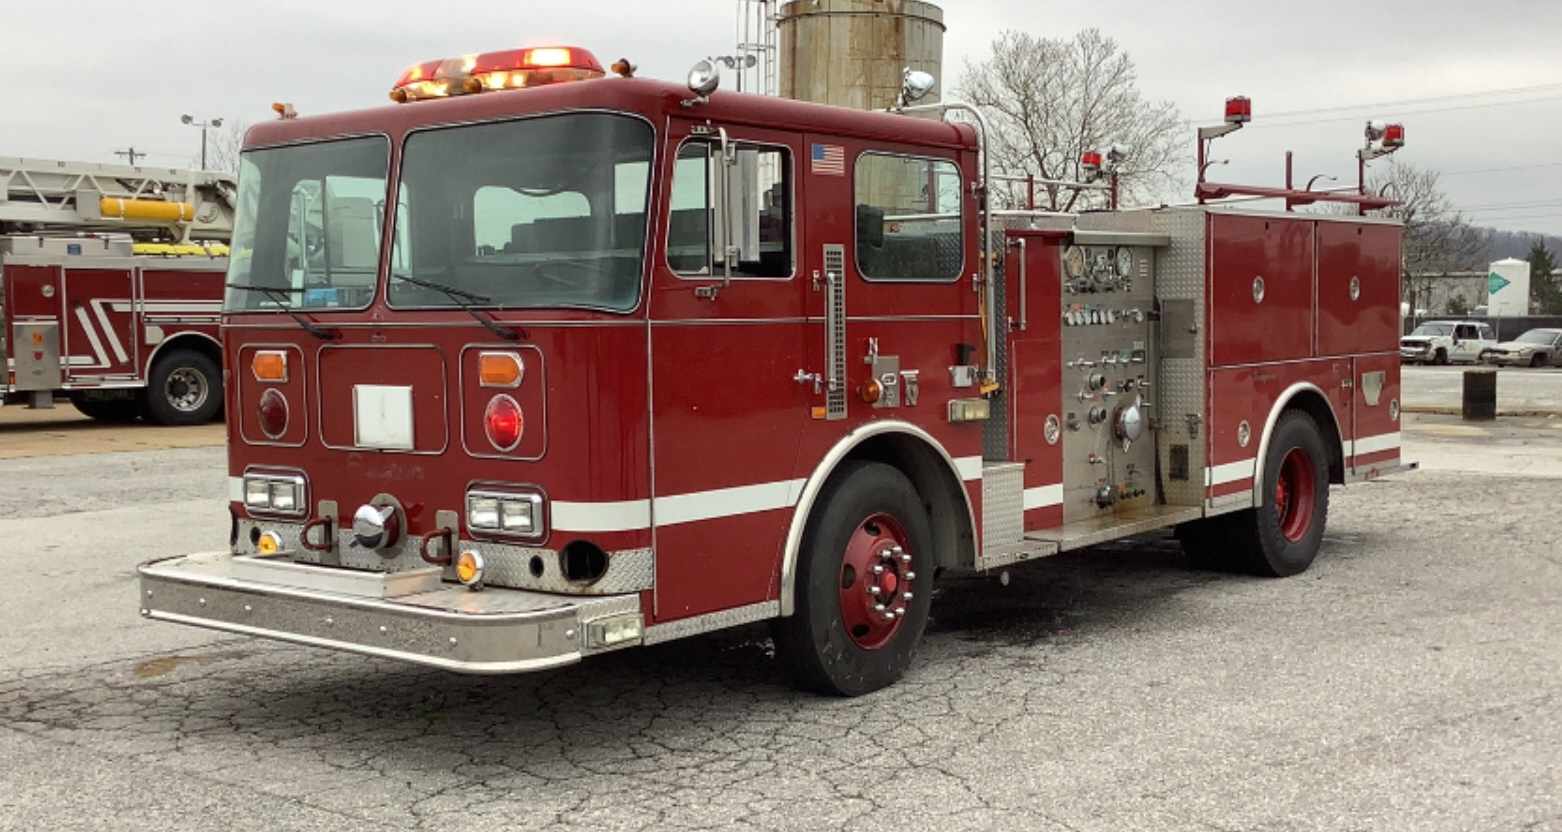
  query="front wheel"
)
[
  {"x": 185, "y": 389},
  {"x": 864, "y": 582},
  {"x": 1282, "y": 536}
]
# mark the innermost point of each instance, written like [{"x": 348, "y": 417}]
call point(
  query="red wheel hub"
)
[
  {"x": 1296, "y": 494},
  {"x": 876, "y": 581}
]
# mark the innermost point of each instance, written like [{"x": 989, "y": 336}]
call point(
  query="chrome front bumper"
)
[{"x": 411, "y": 618}]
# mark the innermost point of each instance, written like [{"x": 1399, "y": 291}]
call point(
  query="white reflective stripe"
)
[
  {"x": 214, "y": 306},
  {"x": 673, "y": 509},
  {"x": 108, "y": 331},
  {"x": 236, "y": 489},
  {"x": 629, "y": 515},
  {"x": 726, "y": 502},
  {"x": 92, "y": 338},
  {"x": 1373, "y": 444},
  {"x": 1044, "y": 496},
  {"x": 970, "y": 467},
  {"x": 1230, "y": 472}
]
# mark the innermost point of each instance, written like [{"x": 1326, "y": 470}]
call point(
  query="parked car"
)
[
  {"x": 1442, "y": 342},
  {"x": 1536, "y": 348}
]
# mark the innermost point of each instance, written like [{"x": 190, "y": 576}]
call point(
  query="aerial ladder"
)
[{"x": 46, "y": 198}]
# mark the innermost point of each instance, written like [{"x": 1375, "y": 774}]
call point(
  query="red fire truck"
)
[
  {"x": 525, "y": 375},
  {"x": 104, "y": 296}
]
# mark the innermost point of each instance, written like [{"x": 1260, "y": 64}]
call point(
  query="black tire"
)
[
  {"x": 1537, "y": 360},
  {"x": 185, "y": 389},
  {"x": 1282, "y": 536},
  {"x": 1440, "y": 358},
  {"x": 836, "y": 642},
  {"x": 115, "y": 411}
]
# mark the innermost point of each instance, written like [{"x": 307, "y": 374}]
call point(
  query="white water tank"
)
[{"x": 1507, "y": 288}]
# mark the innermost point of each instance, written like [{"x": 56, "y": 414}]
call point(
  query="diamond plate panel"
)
[
  {"x": 1180, "y": 275},
  {"x": 1003, "y": 506},
  {"x": 658, "y": 633},
  {"x": 630, "y": 570}
]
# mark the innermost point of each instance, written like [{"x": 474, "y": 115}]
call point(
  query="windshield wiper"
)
[
  {"x": 465, "y": 299},
  {"x": 278, "y": 296}
]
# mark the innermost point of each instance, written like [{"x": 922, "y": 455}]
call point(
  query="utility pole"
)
[{"x": 130, "y": 154}]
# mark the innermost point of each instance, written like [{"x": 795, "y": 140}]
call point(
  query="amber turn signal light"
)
[{"x": 269, "y": 365}]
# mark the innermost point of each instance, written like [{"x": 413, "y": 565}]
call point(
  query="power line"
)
[{"x": 1416, "y": 101}]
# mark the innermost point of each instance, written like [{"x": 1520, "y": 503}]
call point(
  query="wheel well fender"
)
[
  {"x": 936, "y": 475},
  {"x": 196, "y": 341},
  {"x": 1310, "y": 400}
]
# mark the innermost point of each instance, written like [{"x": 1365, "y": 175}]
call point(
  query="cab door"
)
[{"x": 726, "y": 346}]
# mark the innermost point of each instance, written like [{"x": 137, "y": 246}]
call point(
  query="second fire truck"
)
[
  {"x": 545, "y": 363},
  {"x": 105, "y": 295}
]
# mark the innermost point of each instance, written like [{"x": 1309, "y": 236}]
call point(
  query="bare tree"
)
[
  {"x": 1438, "y": 239},
  {"x": 1047, "y": 101},
  {"x": 223, "y": 145}
]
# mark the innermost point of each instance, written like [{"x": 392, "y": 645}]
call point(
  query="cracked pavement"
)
[{"x": 1411, "y": 680}]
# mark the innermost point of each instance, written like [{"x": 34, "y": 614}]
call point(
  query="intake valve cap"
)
[{"x": 376, "y": 526}]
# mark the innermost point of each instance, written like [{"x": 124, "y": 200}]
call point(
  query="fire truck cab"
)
[{"x": 529, "y": 375}]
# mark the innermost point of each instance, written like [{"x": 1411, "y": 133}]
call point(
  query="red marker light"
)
[
  {"x": 1394, "y": 135},
  {"x": 1090, "y": 161},
  {"x": 1239, "y": 110},
  {"x": 503, "y": 423},
  {"x": 272, "y": 411}
]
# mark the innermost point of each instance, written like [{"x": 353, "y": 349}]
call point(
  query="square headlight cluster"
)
[
  {"x": 278, "y": 494},
  {"x": 496, "y": 513}
]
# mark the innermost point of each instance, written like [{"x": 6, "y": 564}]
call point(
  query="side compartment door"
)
[
  {"x": 726, "y": 406},
  {"x": 101, "y": 306}
]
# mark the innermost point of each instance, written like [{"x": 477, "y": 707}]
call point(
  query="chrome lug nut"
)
[
  {"x": 910, "y": 576},
  {"x": 906, "y": 597},
  {"x": 878, "y": 569},
  {"x": 905, "y": 558}
]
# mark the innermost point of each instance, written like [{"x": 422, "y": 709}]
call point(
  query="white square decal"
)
[{"x": 382, "y": 416}]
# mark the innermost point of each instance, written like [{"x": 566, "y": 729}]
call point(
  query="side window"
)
[
  {"x": 908, "y": 218},
  {"x": 1464, "y": 332},
  {"x": 1486, "y": 333},
  {"x": 754, "y": 209}
]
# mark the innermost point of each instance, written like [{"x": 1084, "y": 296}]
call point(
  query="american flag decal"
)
[{"x": 827, "y": 160}]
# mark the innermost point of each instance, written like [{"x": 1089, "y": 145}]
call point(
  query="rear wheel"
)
[
  {"x": 863, "y": 584},
  {"x": 185, "y": 389},
  {"x": 1282, "y": 536},
  {"x": 117, "y": 410}
]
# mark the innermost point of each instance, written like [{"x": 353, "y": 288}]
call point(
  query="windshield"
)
[
  {"x": 1538, "y": 336},
  {"x": 546, "y": 212},
  {"x": 1434, "y": 329},
  {"x": 308, "y": 225}
]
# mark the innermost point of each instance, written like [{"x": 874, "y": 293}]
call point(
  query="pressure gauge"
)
[
  {"x": 1125, "y": 261},
  {"x": 1074, "y": 261}
]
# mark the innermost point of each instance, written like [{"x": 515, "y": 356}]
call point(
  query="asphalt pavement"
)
[{"x": 1410, "y": 681}]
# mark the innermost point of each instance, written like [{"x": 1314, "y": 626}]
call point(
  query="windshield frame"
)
[
  {"x": 229, "y": 307},
  {"x": 652, "y": 192}
]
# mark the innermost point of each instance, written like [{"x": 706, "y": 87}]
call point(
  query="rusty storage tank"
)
[{"x": 852, "y": 52}]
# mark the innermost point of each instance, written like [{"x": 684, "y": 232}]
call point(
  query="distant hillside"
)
[{"x": 1517, "y": 244}]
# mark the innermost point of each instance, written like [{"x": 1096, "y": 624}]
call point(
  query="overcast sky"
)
[{"x": 1477, "y": 84}]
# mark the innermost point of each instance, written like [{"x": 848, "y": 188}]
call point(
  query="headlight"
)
[
  {"x": 281, "y": 494},
  {"x": 513, "y": 514}
]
